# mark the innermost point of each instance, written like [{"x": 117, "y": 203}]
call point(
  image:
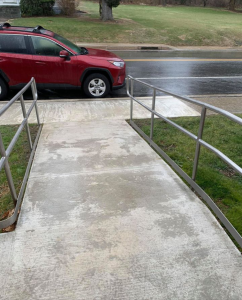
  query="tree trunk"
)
[
  {"x": 162, "y": 2},
  {"x": 231, "y": 4},
  {"x": 100, "y": 8},
  {"x": 107, "y": 13},
  {"x": 204, "y": 3}
]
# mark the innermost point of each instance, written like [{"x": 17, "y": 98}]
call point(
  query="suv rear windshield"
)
[{"x": 69, "y": 44}]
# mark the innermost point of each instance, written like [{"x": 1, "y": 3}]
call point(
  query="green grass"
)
[
  {"x": 18, "y": 162},
  {"x": 177, "y": 25},
  {"x": 219, "y": 180}
]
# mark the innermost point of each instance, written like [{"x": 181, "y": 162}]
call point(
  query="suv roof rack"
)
[
  {"x": 4, "y": 25},
  {"x": 37, "y": 29}
]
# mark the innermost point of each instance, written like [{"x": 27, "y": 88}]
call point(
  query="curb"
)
[
  {"x": 156, "y": 47},
  {"x": 112, "y": 46}
]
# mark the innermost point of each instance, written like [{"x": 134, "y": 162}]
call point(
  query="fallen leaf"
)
[{"x": 9, "y": 228}]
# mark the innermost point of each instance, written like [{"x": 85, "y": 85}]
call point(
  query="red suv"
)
[{"x": 55, "y": 63}]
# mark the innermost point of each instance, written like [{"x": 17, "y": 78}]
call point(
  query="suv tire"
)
[
  {"x": 96, "y": 85},
  {"x": 3, "y": 89}
]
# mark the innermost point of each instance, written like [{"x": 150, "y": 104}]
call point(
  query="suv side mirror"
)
[{"x": 64, "y": 54}]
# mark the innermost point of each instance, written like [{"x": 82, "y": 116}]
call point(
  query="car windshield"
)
[{"x": 70, "y": 44}]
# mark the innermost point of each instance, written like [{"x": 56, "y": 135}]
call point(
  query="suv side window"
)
[
  {"x": 45, "y": 47},
  {"x": 10, "y": 43}
]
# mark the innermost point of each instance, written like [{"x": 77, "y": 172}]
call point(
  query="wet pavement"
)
[
  {"x": 183, "y": 72},
  {"x": 187, "y": 76}
]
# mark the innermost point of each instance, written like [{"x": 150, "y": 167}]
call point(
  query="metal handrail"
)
[
  {"x": 199, "y": 142},
  {"x": 5, "y": 153}
]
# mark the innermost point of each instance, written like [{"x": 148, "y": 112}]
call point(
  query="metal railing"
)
[
  {"x": 199, "y": 142},
  {"x": 5, "y": 153}
]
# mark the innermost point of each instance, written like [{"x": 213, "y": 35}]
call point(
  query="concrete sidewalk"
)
[
  {"x": 104, "y": 217},
  {"x": 86, "y": 109}
]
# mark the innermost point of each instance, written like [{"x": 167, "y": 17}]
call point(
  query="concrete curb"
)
[
  {"x": 117, "y": 46},
  {"x": 121, "y": 47}
]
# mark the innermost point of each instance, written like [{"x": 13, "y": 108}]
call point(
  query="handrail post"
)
[
  {"x": 27, "y": 124},
  {"x": 35, "y": 97},
  {"x": 131, "y": 99},
  {"x": 198, "y": 146},
  {"x": 8, "y": 172},
  {"x": 152, "y": 115}
]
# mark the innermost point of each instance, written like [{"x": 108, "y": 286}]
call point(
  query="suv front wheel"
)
[
  {"x": 96, "y": 86},
  {"x": 3, "y": 89}
]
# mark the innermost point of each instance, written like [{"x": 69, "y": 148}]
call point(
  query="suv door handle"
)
[{"x": 40, "y": 63}]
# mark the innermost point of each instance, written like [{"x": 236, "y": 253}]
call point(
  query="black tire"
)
[
  {"x": 3, "y": 89},
  {"x": 96, "y": 85}
]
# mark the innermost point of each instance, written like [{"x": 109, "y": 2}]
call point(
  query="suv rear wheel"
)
[
  {"x": 3, "y": 89},
  {"x": 96, "y": 86}
]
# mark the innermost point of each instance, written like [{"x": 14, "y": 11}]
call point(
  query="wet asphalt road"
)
[
  {"x": 186, "y": 72},
  {"x": 180, "y": 72}
]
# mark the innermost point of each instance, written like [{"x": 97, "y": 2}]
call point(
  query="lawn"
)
[
  {"x": 219, "y": 181},
  {"x": 18, "y": 162},
  {"x": 171, "y": 25}
]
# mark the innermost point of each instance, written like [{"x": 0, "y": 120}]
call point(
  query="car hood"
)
[{"x": 102, "y": 54}]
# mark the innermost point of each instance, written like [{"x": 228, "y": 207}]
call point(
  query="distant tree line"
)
[{"x": 231, "y": 4}]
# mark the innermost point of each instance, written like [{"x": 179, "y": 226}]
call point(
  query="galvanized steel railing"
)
[
  {"x": 5, "y": 153},
  {"x": 199, "y": 142}
]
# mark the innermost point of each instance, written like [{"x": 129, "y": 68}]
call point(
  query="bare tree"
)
[
  {"x": 67, "y": 7},
  {"x": 162, "y": 2},
  {"x": 231, "y": 4}
]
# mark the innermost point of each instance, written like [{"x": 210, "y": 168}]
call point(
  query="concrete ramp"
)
[{"x": 105, "y": 218}]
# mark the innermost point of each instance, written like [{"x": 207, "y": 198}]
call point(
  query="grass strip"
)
[
  {"x": 171, "y": 25},
  {"x": 216, "y": 178},
  {"x": 18, "y": 162}
]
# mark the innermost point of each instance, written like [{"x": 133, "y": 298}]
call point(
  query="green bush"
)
[
  {"x": 47, "y": 7},
  {"x": 36, "y": 7},
  {"x": 30, "y": 7}
]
